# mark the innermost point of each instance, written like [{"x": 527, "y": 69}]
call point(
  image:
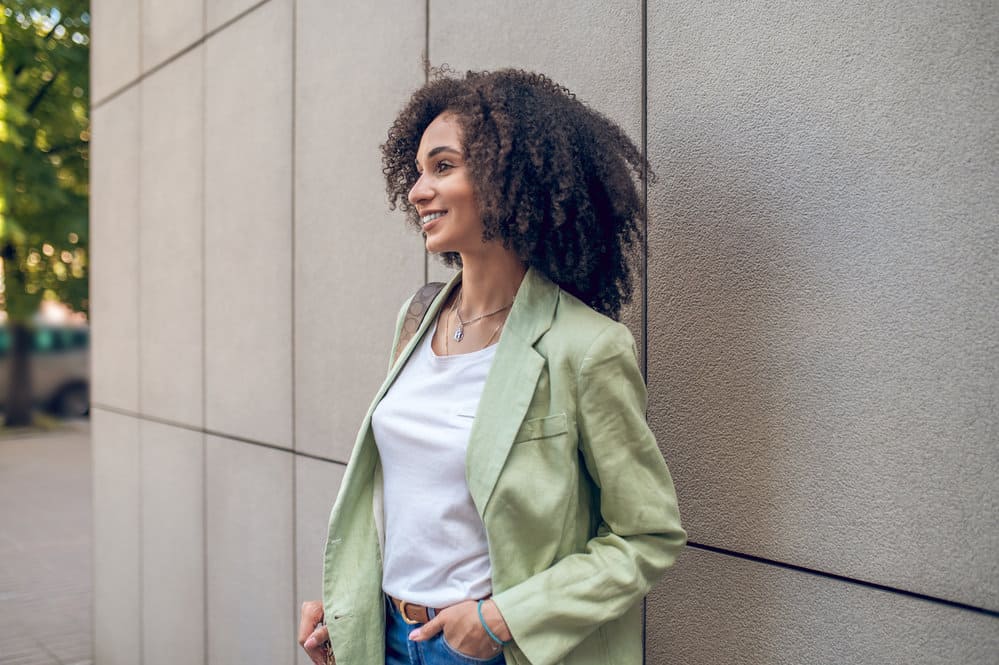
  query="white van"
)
[{"x": 60, "y": 368}]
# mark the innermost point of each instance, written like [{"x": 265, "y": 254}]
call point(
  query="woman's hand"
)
[
  {"x": 311, "y": 636},
  {"x": 463, "y": 630}
]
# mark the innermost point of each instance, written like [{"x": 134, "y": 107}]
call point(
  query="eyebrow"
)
[{"x": 439, "y": 149}]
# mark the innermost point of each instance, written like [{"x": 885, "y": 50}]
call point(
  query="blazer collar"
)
[
  {"x": 510, "y": 385},
  {"x": 533, "y": 308},
  {"x": 530, "y": 317}
]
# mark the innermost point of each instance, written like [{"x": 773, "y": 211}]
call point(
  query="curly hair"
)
[{"x": 555, "y": 180}]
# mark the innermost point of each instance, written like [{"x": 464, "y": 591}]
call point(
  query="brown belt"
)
[{"x": 411, "y": 612}]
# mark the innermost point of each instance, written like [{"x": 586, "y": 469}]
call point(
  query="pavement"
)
[{"x": 46, "y": 571}]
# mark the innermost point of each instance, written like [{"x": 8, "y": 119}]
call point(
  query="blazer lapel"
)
[
  {"x": 363, "y": 455},
  {"x": 510, "y": 385}
]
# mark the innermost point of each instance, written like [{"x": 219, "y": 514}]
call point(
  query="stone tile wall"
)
[{"x": 817, "y": 312}]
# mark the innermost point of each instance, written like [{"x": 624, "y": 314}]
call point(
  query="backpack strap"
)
[{"x": 415, "y": 314}]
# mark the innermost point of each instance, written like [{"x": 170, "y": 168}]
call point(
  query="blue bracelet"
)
[{"x": 491, "y": 634}]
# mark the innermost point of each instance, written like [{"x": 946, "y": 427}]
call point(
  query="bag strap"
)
[{"x": 415, "y": 314}]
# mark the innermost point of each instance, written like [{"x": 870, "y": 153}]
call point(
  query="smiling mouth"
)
[{"x": 426, "y": 219}]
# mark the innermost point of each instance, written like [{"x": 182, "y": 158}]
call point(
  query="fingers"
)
[
  {"x": 428, "y": 630},
  {"x": 315, "y": 645},
  {"x": 312, "y": 636},
  {"x": 312, "y": 613},
  {"x": 316, "y": 639}
]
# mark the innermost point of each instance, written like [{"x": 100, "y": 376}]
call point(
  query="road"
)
[{"x": 46, "y": 579}]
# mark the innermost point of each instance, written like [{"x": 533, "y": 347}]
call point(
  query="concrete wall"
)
[{"x": 817, "y": 315}]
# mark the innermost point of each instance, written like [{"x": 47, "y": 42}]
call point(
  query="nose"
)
[{"x": 421, "y": 191}]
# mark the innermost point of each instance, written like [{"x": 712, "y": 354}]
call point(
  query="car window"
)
[
  {"x": 46, "y": 341},
  {"x": 80, "y": 339}
]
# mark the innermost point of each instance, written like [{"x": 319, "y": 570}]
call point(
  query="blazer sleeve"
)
[{"x": 639, "y": 534}]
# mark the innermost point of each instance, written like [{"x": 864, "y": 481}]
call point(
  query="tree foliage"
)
[{"x": 44, "y": 136}]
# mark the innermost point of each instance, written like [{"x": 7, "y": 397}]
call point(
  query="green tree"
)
[{"x": 44, "y": 135}]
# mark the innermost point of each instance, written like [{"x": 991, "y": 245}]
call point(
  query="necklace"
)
[
  {"x": 459, "y": 332},
  {"x": 447, "y": 324},
  {"x": 494, "y": 332}
]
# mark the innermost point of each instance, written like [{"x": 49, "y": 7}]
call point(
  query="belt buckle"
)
[{"x": 405, "y": 616}]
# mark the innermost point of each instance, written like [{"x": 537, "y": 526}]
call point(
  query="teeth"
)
[{"x": 429, "y": 218}]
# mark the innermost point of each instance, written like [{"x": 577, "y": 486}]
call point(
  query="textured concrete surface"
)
[
  {"x": 822, "y": 319},
  {"x": 46, "y": 580},
  {"x": 114, "y": 243},
  {"x": 117, "y": 554},
  {"x": 597, "y": 53},
  {"x": 173, "y": 545},
  {"x": 345, "y": 236},
  {"x": 249, "y": 524},
  {"x": 248, "y": 237},
  {"x": 714, "y": 609},
  {"x": 171, "y": 241},
  {"x": 115, "y": 53},
  {"x": 169, "y": 27},
  {"x": 316, "y": 485},
  {"x": 218, "y": 12}
]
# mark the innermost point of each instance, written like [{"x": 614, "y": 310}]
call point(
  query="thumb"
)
[{"x": 427, "y": 630}]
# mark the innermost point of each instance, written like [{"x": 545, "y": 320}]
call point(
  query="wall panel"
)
[
  {"x": 168, "y": 28},
  {"x": 116, "y": 490},
  {"x": 250, "y": 554},
  {"x": 248, "y": 268},
  {"x": 218, "y": 12},
  {"x": 171, "y": 241},
  {"x": 822, "y": 308},
  {"x": 719, "y": 610},
  {"x": 115, "y": 45},
  {"x": 114, "y": 249},
  {"x": 173, "y": 545},
  {"x": 355, "y": 261}
]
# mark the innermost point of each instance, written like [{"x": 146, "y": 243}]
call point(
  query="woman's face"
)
[{"x": 443, "y": 194}]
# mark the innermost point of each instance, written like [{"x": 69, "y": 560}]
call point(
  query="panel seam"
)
[
  {"x": 294, "y": 225},
  {"x": 205, "y": 634},
  {"x": 117, "y": 92},
  {"x": 645, "y": 249},
  {"x": 426, "y": 79},
  {"x": 844, "y": 578},
  {"x": 215, "y": 433},
  {"x": 140, "y": 491}
]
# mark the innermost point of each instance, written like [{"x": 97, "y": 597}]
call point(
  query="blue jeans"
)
[{"x": 399, "y": 650}]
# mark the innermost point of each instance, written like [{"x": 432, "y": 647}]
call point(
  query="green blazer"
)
[{"x": 578, "y": 505}]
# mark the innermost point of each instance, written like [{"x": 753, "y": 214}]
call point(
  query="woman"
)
[{"x": 505, "y": 500}]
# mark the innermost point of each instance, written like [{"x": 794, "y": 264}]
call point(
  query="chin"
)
[{"x": 436, "y": 247}]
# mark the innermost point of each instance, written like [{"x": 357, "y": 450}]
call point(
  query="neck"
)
[{"x": 489, "y": 280}]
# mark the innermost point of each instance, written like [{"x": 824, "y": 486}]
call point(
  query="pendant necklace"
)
[{"x": 459, "y": 332}]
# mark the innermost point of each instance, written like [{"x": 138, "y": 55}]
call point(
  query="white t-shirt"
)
[{"x": 436, "y": 552}]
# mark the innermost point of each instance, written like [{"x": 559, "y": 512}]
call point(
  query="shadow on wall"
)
[{"x": 722, "y": 283}]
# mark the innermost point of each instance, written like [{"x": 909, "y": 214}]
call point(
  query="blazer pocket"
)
[{"x": 542, "y": 428}]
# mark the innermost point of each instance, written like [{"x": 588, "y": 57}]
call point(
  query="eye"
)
[{"x": 443, "y": 166}]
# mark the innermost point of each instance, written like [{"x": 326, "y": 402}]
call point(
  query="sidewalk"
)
[{"x": 45, "y": 548}]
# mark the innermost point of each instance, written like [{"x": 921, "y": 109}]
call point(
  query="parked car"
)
[{"x": 60, "y": 368}]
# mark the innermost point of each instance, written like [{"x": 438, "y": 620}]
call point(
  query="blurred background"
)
[
  {"x": 44, "y": 149},
  {"x": 46, "y": 537},
  {"x": 815, "y": 310}
]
